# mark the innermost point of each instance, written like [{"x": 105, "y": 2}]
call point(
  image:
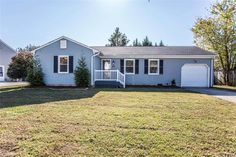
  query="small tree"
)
[
  {"x": 82, "y": 74},
  {"x": 161, "y": 43},
  {"x": 118, "y": 39},
  {"x": 35, "y": 74},
  {"x": 146, "y": 42},
  {"x": 136, "y": 43},
  {"x": 19, "y": 65}
]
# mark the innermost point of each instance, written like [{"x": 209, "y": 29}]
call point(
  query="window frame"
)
[
  {"x": 59, "y": 67},
  {"x": 158, "y": 67},
  {"x": 63, "y": 44},
  {"x": 133, "y": 66}
]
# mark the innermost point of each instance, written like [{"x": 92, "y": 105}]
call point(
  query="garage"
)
[{"x": 195, "y": 75}]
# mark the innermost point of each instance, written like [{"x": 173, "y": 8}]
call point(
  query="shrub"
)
[
  {"x": 35, "y": 74},
  {"x": 82, "y": 75}
]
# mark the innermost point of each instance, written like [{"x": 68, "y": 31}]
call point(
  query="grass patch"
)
[{"x": 115, "y": 122}]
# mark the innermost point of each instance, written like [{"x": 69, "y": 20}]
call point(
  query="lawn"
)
[{"x": 114, "y": 122}]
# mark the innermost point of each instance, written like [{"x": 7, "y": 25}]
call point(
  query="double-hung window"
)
[
  {"x": 153, "y": 66},
  {"x": 63, "y": 64},
  {"x": 129, "y": 66}
]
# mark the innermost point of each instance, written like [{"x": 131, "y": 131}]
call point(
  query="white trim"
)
[
  {"x": 102, "y": 63},
  {"x": 3, "y": 73},
  {"x": 158, "y": 66},
  {"x": 196, "y": 64},
  {"x": 66, "y": 38},
  {"x": 133, "y": 66},
  {"x": 158, "y": 56},
  {"x": 59, "y": 68},
  {"x": 63, "y": 44}
]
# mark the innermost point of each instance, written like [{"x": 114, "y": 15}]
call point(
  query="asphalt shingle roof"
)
[{"x": 166, "y": 50}]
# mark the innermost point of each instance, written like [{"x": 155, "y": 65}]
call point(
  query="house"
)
[
  {"x": 188, "y": 66},
  {"x": 6, "y": 53}
]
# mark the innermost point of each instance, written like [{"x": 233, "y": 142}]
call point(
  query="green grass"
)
[
  {"x": 114, "y": 122},
  {"x": 231, "y": 88}
]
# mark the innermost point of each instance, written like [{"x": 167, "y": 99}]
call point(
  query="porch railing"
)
[{"x": 110, "y": 75}]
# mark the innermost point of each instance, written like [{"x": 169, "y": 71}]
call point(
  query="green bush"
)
[
  {"x": 35, "y": 74},
  {"x": 82, "y": 75}
]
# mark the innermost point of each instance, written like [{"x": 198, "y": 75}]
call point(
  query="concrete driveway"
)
[
  {"x": 222, "y": 94},
  {"x": 7, "y": 84}
]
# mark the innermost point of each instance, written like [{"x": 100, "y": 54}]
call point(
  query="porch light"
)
[{"x": 113, "y": 63}]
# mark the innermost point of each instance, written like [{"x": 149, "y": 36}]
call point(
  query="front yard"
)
[{"x": 114, "y": 122}]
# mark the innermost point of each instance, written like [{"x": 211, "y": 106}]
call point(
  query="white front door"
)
[
  {"x": 2, "y": 77},
  {"x": 106, "y": 65},
  {"x": 195, "y": 75}
]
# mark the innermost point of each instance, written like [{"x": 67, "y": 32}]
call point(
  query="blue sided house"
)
[{"x": 187, "y": 66}]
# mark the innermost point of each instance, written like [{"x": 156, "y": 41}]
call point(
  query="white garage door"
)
[{"x": 195, "y": 75}]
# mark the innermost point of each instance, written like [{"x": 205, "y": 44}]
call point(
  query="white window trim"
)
[
  {"x": 63, "y": 44},
  {"x": 59, "y": 69},
  {"x": 102, "y": 63},
  {"x": 158, "y": 72},
  {"x": 133, "y": 66}
]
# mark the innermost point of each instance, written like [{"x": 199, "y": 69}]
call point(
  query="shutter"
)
[
  {"x": 122, "y": 66},
  {"x": 161, "y": 67},
  {"x": 146, "y": 66},
  {"x": 71, "y": 63},
  {"x": 55, "y": 64},
  {"x": 136, "y": 66}
]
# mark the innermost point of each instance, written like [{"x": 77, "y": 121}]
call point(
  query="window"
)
[
  {"x": 1, "y": 71},
  {"x": 63, "y": 44},
  {"x": 63, "y": 64},
  {"x": 129, "y": 66},
  {"x": 153, "y": 67}
]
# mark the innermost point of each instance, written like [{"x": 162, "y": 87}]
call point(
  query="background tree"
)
[
  {"x": 35, "y": 74},
  {"x": 118, "y": 39},
  {"x": 19, "y": 65},
  {"x": 217, "y": 33},
  {"x": 136, "y": 43},
  {"x": 161, "y": 43},
  {"x": 146, "y": 42},
  {"x": 28, "y": 48},
  {"x": 82, "y": 74}
]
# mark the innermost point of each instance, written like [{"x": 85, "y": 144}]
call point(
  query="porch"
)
[{"x": 109, "y": 78}]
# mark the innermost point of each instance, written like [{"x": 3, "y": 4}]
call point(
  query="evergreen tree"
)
[
  {"x": 146, "y": 42},
  {"x": 161, "y": 43},
  {"x": 136, "y": 43},
  {"x": 118, "y": 39},
  {"x": 35, "y": 74},
  {"x": 82, "y": 74}
]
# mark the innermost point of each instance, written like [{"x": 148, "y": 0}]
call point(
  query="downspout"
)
[{"x": 92, "y": 67}]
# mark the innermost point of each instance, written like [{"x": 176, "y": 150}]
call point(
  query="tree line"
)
[{"x": 120, "y": 39}]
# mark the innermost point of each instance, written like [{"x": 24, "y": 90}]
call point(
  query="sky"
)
[{"x": 91, "y": 22}]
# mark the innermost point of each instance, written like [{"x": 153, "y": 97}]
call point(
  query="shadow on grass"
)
[{"x": 18, "y": 96}]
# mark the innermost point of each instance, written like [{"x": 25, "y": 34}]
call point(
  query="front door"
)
[
  {"x": 106, "y": 65},
  {"x": 2, "y": 77}
]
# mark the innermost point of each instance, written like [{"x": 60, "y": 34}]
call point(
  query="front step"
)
[{"x": 108, "y": 84}]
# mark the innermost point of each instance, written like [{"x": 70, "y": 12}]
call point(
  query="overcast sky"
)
[{"x": 92, "y": 22}]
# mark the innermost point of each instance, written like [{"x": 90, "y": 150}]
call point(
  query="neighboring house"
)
[
  {"x": 189, "y": 66},
  {"x": 6, "y": 53}
]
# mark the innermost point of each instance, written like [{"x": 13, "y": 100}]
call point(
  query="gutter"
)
[{"x": 92, "y": 67}]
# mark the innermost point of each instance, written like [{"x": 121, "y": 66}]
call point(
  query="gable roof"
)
[
  {"x": 129, "y": 51},
  {"x": 66, "y": 38},
  {"x": 2, "y": 43}
]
